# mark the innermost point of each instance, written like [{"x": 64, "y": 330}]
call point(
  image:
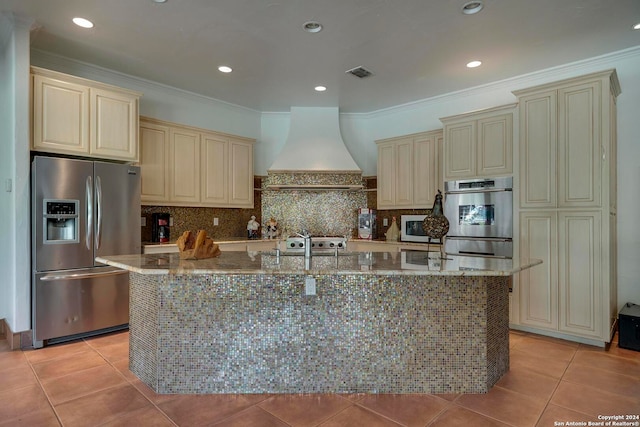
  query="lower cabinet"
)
[
  {"x": 567, "y": 293},
  {"x": 538, "y": 286}
]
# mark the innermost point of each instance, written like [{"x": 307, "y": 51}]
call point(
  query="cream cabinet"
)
[
  {"x": 80, "y": 117},
  {"x": 154, "y": 156},
  {"x": 215, "y": 167},
  {"x": 538, "y": 286},
  {"x": 567, "y": 207},
  {"x": 187, "y": 166},
  {"x": 409, "y": 173},
  {"x": 227, "y": 165},
  {"x": 479, "y": 144},
  {"x": 240, "y": 173},
  {"x": 184, "y": 166}
]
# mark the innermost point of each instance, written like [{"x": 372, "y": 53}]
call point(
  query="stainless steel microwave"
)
[{"x": 411, "y": 229}]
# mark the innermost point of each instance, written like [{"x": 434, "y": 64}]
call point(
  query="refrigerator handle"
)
[
  {"x": 89, "y": 199},
  {"x": 99, "y": 213}
]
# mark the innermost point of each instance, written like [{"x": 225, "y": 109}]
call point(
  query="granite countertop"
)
[
  {"x": 416, "y": 263},
  {"x": 217, "y": 241},
  {"x": 223, "y": 240}
]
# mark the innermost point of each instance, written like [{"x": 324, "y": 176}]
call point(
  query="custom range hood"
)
[{"x": 314, "y": 156}]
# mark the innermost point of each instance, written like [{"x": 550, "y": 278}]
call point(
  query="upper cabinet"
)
[
  {"x": 479, "y": 144},
  {"x": 187, "y": 166},
  {"x": 409, "y": 172},
  {"x": 80, "y": 117},
  {"x": 563, "y": 140}
]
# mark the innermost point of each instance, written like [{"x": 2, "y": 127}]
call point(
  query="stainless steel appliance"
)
[
  {"x": 480, "y": 214},
  {"x": 367, "y": 224},
  {"x": 319, "y": 244},
  {"x": 160, "y": 232},
  {"x": 411, "y": 229},
  {"x": 81, "y": 209}
]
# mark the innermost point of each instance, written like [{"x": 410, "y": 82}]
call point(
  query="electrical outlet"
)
[
  {"x": 385, "y": 222},
  {"x": 215, "y": 222},
  {"x": 143, "y": 221},
  {"x": 170, "y": 221},
  {"x": 310, "y": 285}
]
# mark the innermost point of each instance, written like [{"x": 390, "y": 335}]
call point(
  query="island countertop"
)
[{"x": 411, "y": 263}]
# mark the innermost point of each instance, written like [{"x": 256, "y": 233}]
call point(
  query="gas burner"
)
[{"x": 318, "y": 243}]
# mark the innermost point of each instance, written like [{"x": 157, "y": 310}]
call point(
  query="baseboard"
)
[
  {"x": 566, "y": 337},
  {"x": 17, "y": 340}
]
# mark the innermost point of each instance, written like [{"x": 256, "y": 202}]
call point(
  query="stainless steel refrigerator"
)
[{"x": 81, "y": 209}]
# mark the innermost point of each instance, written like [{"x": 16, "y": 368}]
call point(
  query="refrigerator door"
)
[
  {"x": 78, "y": 301},
  {"x": 61, "y": 183},
  {"x": 117, "y": 209}
]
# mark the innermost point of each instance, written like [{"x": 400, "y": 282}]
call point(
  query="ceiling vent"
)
[{"x": 360, "y": 72}]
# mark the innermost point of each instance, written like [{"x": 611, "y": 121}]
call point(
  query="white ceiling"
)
[{"x": 416, "y": 49}]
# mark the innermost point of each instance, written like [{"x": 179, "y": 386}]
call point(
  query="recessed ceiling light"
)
[
  {"x": 82, "y": 22},
  {"x": 472, "y": 7},
  {"x": 474, "y": 64},
  {"x": 159, "y": 1},
  {"x": 312, "y": 27},
  {"x": 637, "y": 26},
  {"x": 320, "y": 88},
  {"x": 224, "y": 69}
]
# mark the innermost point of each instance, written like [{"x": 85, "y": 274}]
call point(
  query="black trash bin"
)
[{"x": 629, "y": 327}]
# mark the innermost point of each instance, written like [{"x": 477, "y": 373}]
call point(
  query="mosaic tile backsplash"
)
[
  {"x": 321, "y": 212},
  {"x": 330, "y": 212}
]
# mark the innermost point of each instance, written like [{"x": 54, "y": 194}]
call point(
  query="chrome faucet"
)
[{"x": 307, "y": 243}]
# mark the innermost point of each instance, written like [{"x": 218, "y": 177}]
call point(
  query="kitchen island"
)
[{"x": 359, "y": 322}]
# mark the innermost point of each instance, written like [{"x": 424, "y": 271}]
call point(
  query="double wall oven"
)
[{"x": 480, "y": 214}]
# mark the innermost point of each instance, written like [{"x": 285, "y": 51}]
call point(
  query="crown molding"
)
[{"x": 535, "y": 78}]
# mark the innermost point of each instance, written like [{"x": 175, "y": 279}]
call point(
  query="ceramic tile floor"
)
[{"x": 87, "y": 383}]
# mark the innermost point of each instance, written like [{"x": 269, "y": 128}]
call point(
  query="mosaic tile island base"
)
[{"x": 245, "y": 323}]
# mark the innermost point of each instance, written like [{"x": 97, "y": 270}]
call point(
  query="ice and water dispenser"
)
[{"x": 61, "y": 221}]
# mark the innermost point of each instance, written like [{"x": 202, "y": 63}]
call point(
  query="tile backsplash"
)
[
  {"x": 321, "y": 212},
  {"x": 331, "y": 212},
  {"x": 231, "y": 222}
]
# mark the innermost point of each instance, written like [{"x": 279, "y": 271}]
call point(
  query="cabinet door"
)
[
  {"x": 495, "y": 145},
  {"x": 538, "y": 148},
  {"x": 579, "y": 145},
  {"x": 60, "y": 116},
  {"x": 114, "y": 130},
  {"x": 426, "y": 170},
  {"x": 184, "y": 168},
  {"x": 580, "y": 281},
  {"x": 538, "y": 289},
  {"x": 241, "y": 174},
  {"x": 404, "y": 173},
  {"x": 154, "y": 163},
  {"x": 460, "y": 150},
  {"x": 215, "y": 172},
  {"x": 386, "y": 175}
]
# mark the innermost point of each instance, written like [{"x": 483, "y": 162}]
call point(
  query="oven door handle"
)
[
  {"x": 480, "y": 239},
  {"x": 495, "y": 190}
]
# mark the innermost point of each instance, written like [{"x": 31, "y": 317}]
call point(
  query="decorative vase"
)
[
  {"x": 393, "y": 232},
  {"x": 436, "y": 225}
]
